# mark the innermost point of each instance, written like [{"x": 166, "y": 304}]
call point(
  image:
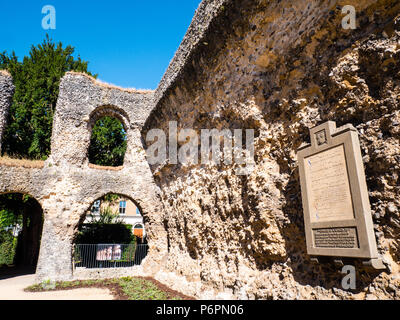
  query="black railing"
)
[{"x": 109, "y": 255}]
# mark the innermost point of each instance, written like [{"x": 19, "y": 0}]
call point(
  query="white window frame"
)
[{"x": 122, "y": 208}]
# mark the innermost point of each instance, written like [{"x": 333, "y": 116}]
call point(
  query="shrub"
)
[
  {"x": 8, "y": 244},
  {"x": 105, "y": 233},
  {"x": 107, "y": 228}
]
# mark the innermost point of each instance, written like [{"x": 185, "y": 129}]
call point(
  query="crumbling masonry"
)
[{"x": 279, "y": 67}]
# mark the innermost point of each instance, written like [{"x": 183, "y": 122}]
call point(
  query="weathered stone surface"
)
[
  {"x": 279, "y": 67},
  {"x": 108, "y": 273},
  {"x": 81, "y": 103},
  {"x": 6, "y": 93}
]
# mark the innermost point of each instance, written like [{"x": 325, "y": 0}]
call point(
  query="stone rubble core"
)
[{"x": 280, "y": 68}]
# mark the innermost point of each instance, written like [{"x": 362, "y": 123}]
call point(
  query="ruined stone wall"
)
[
  {"x": 81, "y": 103},
  {"x": 279, "y": 67},
  {"x": 6, "y": 92},
  {"x": 67, "y": 186}
]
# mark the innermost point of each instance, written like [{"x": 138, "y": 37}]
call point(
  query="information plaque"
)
[{"x": 336, "y": 206}]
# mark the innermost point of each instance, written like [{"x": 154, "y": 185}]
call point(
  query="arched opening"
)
[
  {"x": 139, "y": 232},
  {"x": 108, "y": 142},
  {"x": 106, "y": 235},
  {"x": 21, "y": 225}
]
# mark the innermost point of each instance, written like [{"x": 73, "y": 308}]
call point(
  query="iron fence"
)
[{"x": 109, "y": 255}]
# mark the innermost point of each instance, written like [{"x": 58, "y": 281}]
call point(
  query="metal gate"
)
[{"x": 108, "y": 255}]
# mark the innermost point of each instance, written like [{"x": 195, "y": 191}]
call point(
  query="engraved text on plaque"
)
[
  {"x": 330, "y": 197},
  {"x": 336, "y": 238}
]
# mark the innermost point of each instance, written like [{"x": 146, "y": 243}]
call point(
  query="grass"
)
[
  {"x": 25, "y": 163},
  {"x": 5, "y": 72},
  {"x": 141, "y": 289},
  {"x": 127, "y": 288}
]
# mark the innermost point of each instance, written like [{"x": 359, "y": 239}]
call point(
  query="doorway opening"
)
[
  {"x": 106, "y": 236},
  {"x": 108, "y": 143},
  {"x": 21, "y": 225}
]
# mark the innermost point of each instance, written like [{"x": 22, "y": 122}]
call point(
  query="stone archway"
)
[
  {"x": 143, "y": 209},
  {"x": 108, "y": 232},
  {"x": 66, "y": 186},
  {"x": 26, "y": 229},
  {"x": 111, "y": 111},
  {"x": 108, "y": 138}
]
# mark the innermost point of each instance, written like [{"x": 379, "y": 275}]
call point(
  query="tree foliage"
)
[
  {"x": 29, "y": 124},
  {"x": 105, "y": 234},
  {"x": 107, "y": 228},
  {"x": 111, "y": 197},
  {"x": 36, "y": 80},
  {"x": 106, "y": 216},
  {"x": 11, "y": 209},
  {"x": 108, "y": 143},
  {"x": 8, "y": 244}
]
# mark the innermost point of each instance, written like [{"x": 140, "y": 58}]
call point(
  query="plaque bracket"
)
[
  {"x": 376, "y": 264},
  {"x": 338, "y": 262}
]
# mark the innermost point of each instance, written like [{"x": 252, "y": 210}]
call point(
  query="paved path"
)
[{"x": 13, "y": 289}]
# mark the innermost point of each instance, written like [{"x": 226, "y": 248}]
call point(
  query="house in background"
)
[{"x": 126, "y": 209}]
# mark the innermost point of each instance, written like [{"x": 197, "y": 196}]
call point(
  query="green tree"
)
[
  {"x": 8, "y": 245},
  {"x": 106, "y": 216},
  {"x": 111, "y": 197},
  {"x": 108, "y": 143},
  {"x": 36, "y": 80},
  {"x": 107, "y": 228},
  {"x": 11, "y": 209}
]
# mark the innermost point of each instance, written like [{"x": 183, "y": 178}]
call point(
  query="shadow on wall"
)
[
  {"x": 305, "y": 272},
  {"x": 369, "y": 102}
]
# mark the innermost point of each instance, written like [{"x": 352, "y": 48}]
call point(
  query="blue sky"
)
[{"x": 128, "y": 43}]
